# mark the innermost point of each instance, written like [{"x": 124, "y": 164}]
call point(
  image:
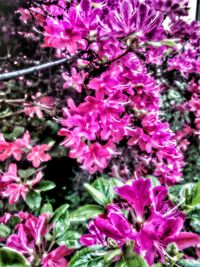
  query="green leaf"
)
[
  {"x": 70, "y": 239},
  {"x": 88, "y": 257},
  {"x": 33, "y": 199},
  {"x": 26, "y": 173},
  {"x": 46, "y": 185},
  {"x": 14, "y": 220},
  {"x": 130, "y": 260},
  {"x": 96, "y": 194},
  {"x": 61, "y": 221},
  {"x": 112, "y": 254},
  {"x": 15, "y": 133},
  {"x": 189, "y": 263},
  {"x": 60, "y": 211},
  {"x": 194, "y": 216},
  {"x": 11, "y": 258},
  {"x": 85, "y": 213},
  {"x": 106, "y": 187},
  {"x": 46, "y": 208},
  {"x": 4, "y": 230},
  {"x": 195, "y": 195}
]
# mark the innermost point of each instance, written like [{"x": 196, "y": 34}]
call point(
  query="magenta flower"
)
[
  {"x": 123, "y": 21},
  {"x": 13, "y": 187},
  {"x": 157, "y": 234},
  {"x": 38, "y": 155},
  {"x": 61, "y": 34},
  {"x": 112, "y": 225},
  {"x": 94, "y": 237},
  {"x": 138, "y": 195},
  {"x": 95, "y": 157},
  {"x": 56, "y": 257}
]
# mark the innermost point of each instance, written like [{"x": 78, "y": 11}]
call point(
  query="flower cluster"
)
[
  {"x": 13, "y": 187},
  {"x": 30, "y": 240},
  {"x": 154, "y": 222},
  {"x": 19, "y": 147}
]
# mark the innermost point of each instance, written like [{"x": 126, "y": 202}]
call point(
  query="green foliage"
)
[
  {"x": 4, "y": 230},
  {"x": 70, "y": 239},
  {"x": 88, "y": 257},
  {"x": 85, "y": 213},
  {"x": 46, "y": 208},
  {"x": 45, "y": 185},
  {"x": 189, "y": 263},
  {"x": 61, "y": 221},
  {"x": 33, "y": 199},
  {"x": 26, "y": 173},
  {"x": 102, "y": 190},
  {"x": 11, "y": 258}
]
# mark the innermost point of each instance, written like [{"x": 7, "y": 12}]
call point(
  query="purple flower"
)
[{"x": 138, "y": 196}]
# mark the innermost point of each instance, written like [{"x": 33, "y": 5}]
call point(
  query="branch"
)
[{"x": 18, "y": 73}]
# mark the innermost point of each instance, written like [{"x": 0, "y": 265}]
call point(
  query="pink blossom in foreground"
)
[
  {"x": 155, "y": 222},
  {"x": 30, "y": 238},
  {"x": 56, "y": 257}
]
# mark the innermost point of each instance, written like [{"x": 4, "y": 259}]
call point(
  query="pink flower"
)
[
  {"x": 56, "y": 257},
  {"x": 13, "y": 187},
  {"x": 14, "y": 192},
  {"x": 95, "y": 157},
  {"x": 112, "y": 225},
  {"x": 29, "y": 235},
  {"x": 74, "y": 80},
  {"x": 61, "y": 34},
  {"x": 38, "y": 155},
  {"x": 138, "y": 195}
]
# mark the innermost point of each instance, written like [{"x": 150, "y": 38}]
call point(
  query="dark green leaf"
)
[
  {"x": 85, "y": 213},
  {"x": 33, "y": 199},
  {"x": 45, "y": 185},
  {"x": 11, "y": 258},
  {"x": 14, "y": 220}
]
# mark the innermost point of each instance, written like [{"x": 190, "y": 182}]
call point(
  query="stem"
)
[{"x": 18, "y": 73}]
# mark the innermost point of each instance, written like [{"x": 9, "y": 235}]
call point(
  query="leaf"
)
[
  {"x": 46, "y": 185},
  {"x": 70, "y": 239},
  {"x": 189, "y": 263},
  {"x": 11, "y": 258},
  {"x": 85, "y": 213},
  {"x": 59, "y": 211},
  {"x": 46, "y": 208},
  {"x": 130, "y": 260},
  {"x": 33, "y": 199},
  {"x": 26, "y": 173},
  {"x": 88, "y": 257},
  {"x": 61, "y": 221},
  {"x": 106, "y": 187},
  {"x": 15, "y": 133},
  {"x": 96, "y": 194},
  {"x": 4, "y": 230},
  {"x": 14, "y": 220},
  {"x": 195, "y": 195}
]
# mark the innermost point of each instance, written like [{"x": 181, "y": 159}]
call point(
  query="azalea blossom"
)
[{"x": 38, "y": 155}]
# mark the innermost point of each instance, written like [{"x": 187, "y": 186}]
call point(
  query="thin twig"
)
[{"x": 18, "y": 73}]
